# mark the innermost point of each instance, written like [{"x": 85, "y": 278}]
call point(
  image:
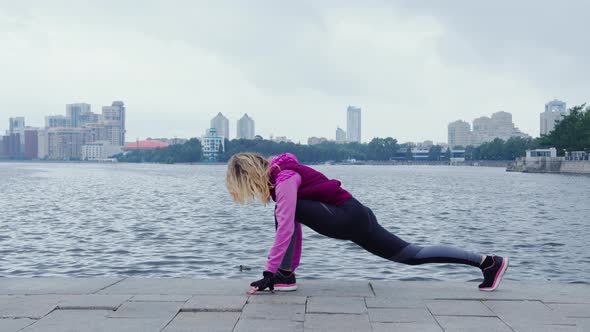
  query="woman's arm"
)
[{"x": 286, "y": 199}]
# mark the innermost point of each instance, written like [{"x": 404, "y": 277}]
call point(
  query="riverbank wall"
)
[{"x": 549, "y": 165}]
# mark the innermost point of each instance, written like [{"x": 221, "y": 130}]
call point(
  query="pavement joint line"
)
[
  {"x": 336, "y": 313},
  {"x": 86, "y": 308},
  {"x": 434, "y": 317},
  {"x": 372, "y": 291},
  {"x": 458, "y": 315},
  {"x": 210, "y": 310},
  {"x": 500, "y": 318},
  {"x": 170, "y": 321},
  {"x": 116, "y": 282},
  {"x": 487, "y": 300}
]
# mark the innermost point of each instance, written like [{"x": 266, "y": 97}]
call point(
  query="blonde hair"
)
[{"x": 248, "y": 178}]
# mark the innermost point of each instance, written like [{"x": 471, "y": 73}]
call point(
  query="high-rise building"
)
[
  {"x": 42, "y": 144},
  {"x": 115, "y": 116},
  {"x": 499, "y": 125},
  {"x": 73, "y": 112},
  {"x": 353, "y": 124},
  {"x": 221, "y": 125},
  {"x": 485, "y": 129},
  {"x": 340, "y": 135},
  {"x": 16, "y": 125},
  {"x": 555, "y": 110},
  {"x": 88, "y": 117},
  {"x": 11, "y": 146},
  {"x": 459, "y": 134},
  {"x": 66, "y": 143},
  {"x": 59, "y": 121},
  {"x": 31, "y": 149},
  {"x": 212, "y": 144},
  {"x": 245, "y": 128}
]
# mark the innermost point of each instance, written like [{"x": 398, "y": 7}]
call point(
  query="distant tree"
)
[
  {"x": 381, "y": 148},
  {"x": 434, "y": 152},
  {"x": 572, "y": 133},
  {"x": 448, "y": 154},
  {"x": 409, "y": 155},
  {"x": 469, "y": 152}
]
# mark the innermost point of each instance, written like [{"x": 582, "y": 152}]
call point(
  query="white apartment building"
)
[
  {"x": 99, "y": 150},
  {"x": 340, "y": 135},
  {"x": 245, "y": 128},
  {"x": 66, "y": 143},
  {"x": 555, "y": 110},
  {"x": 115, "y": 115},
  {"x": 221, "y": 125},
  {"x": 459, "y": 133},
  {"x": 353, "y": 124},
  {"x": 212, "y": 145}
]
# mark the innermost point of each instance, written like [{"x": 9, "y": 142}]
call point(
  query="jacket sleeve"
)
[{"x": 286, "y": 200}]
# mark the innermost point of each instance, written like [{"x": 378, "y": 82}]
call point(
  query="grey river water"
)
[{"x": 60, "y": 219}]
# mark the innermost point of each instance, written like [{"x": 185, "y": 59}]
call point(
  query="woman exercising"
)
[{"x": 305, "y": 196}]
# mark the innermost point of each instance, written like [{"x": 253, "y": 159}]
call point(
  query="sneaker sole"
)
[
  {"x": 498, "y": 278},
  {"x": 285, "y": 287}
]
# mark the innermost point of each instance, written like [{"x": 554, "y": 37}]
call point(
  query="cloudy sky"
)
[{"x": 294, "y": 66}]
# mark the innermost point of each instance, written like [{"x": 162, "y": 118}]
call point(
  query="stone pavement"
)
[{"x": 173, "y": 304}]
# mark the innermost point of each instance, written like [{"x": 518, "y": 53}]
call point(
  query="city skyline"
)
[
  {"x": 410, "y": 66},
  {"x": 484, "y": 128}
]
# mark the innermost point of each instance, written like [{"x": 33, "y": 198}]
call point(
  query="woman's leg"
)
[
  {"x": 353, "y": 221},
  {"x": 385, "y": 244}
]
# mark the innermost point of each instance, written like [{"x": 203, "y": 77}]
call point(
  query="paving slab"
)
[
  {"x": 203, "y": 321},
  {"x": 277, "y": 298},
  {"x": 69, "y": 321},
  {"x": 527, "y": 314},
  {"x": 401, "y": 315},
  {"x": 262, "y": 325},
  {"x": 408, "y": 327},
  {"x": 394, "y": 302},
  {"x": 336, "y": 305},
  {"x": 215, "y": 303},
  {"x": 54, "y": 285},
  {"x": 331, "y": 288},
  {"x": 146, "y": 310},
  {"x": 509, "y": 290},
  {"x": 14, "y": 324},
  {"x": 337, "y": 322},
  {"x": 179, "y": 286},
  {"x": 92, "y": 301},
  {"x": 571, "y": 309},
  {"x": 471, "y": 323},
  {"x": 293, "y": 312},
  {"x": 459, "y": 308},
  {"x": 27, "y": 306},
  {"x": 158, "y": 298}
]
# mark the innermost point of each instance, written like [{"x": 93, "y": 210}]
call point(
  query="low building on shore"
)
[
  {"x": 147, "y": 144},
  {"x": 99, "y": 151},
  {"x": 547, "y": 161}
]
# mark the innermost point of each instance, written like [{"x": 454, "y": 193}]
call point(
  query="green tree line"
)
[{"x": 188, "y": 152}]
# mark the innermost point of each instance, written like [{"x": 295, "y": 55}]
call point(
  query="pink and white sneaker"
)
[
  {"x": 492, "y": 275},
  {"x": 285, "y": 282}
]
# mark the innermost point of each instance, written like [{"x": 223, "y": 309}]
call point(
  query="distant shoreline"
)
[{"x": 480, "y": 163}]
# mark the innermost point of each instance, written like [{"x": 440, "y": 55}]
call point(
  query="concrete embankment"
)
[
  {"x": 174, "y": 304},
  {"x": 550, "y": 165}
]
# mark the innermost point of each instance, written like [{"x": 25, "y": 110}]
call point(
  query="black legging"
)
[{"x": 353, "y": 221}]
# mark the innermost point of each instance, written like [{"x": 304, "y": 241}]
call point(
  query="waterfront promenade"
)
[{"x": 174, "y": 304}]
